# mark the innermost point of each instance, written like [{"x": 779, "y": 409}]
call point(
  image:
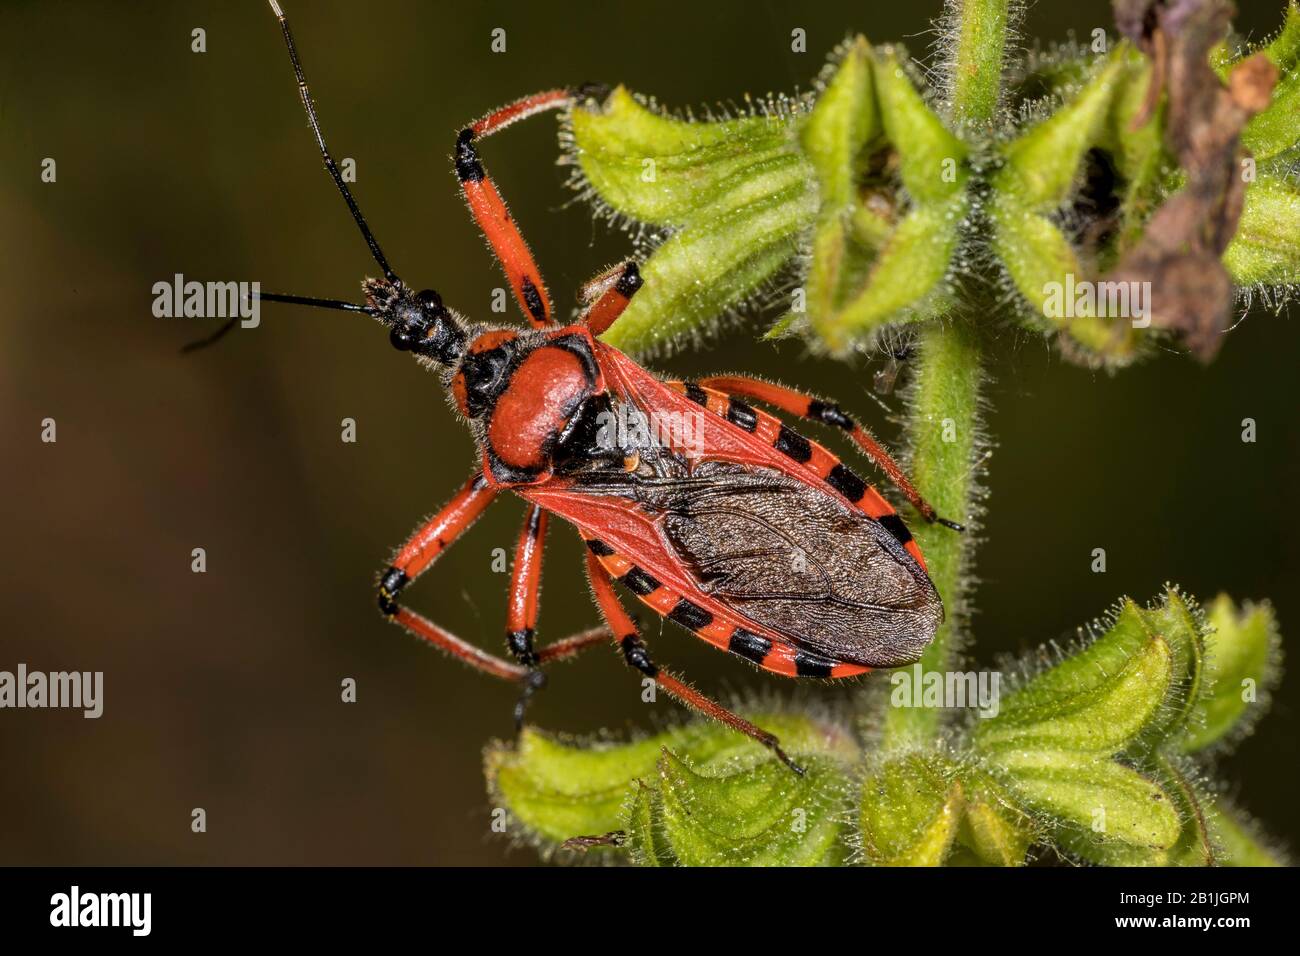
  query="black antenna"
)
[
  {"x": 330, "y": 165},
  {"x": 210, "y": 339},
  {"x": 340, "y": 304},
  {"x": 229, "y": 324}
]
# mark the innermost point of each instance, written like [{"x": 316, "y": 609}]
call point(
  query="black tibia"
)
[
  {"x": 520, "y": 645},
  {"x": 637, "y": 656},
  {"x": 390, "y": 586},
  {"x": 534, "y": 682}
]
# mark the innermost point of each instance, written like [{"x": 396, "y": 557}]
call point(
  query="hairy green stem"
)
[
  {"x": 943, "y": 415},
  {"x": 943, "y": 434},
  {"x": 975, "y": 70}
]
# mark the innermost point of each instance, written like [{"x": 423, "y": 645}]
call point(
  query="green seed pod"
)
[
  {"x": 903, "y": 281},
  {"x": 1137, "y": 150},
  {"x": 1038, "y": 175},
  {"x": 903, "y": 284}
]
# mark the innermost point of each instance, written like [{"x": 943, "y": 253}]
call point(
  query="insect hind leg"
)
[
  {"x": 828, "y": 413},
  {"x": 638, "y": 657}
]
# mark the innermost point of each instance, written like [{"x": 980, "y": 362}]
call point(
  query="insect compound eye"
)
[
  {"x": 430, "y": 301},
  {"x": 401, "y": 338}
]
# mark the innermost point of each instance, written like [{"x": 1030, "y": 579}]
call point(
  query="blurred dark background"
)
[{"x": 222, "y": 690}]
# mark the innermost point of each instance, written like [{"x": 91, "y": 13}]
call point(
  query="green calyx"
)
[
  {"x": 1097, "y": 757},
  {"x": 868, "y": 206}
]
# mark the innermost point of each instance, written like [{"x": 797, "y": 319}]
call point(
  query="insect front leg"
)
[
  {"x": 607, "y": 295},
  {"x": 638, "y": 657},
  {"x": 428, "y": 543},
  {"x": 828, "y": 413},
  {"x": 489, "y": 209},
  {"x": 415, "y": 557}
]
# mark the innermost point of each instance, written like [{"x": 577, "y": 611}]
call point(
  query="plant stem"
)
[
  {"x": 943, "y": 433},
  {"x": 943, "y": 413},
  {"x": 975, "y": 68}
]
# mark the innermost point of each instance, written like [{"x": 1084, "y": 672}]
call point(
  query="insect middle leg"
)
[
  {"x": 522, "y": 610},
  {"x": 628, "y": 637},
  {"x": 424, "y": 547},
  {"x": 828, "y": 413}
]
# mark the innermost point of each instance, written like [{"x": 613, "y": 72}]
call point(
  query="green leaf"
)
[
  {"x": 1099, "y": 803},
  {"x": 1041, "y": 165},
  {"x": 1098, "y": 700},
  {"x": 558, "y": 789},
  {"x": 844, "y": 120},
  {"x": 912, "y": 263},
  {"x": 1243, "y": 666},
  {"x": 1266, "y": 247},
  {"x": 910, "y": 810},
  {"x": 646, "y": 840},
  {"x": 737, "y": 196},
  {"x": 931, "y": 160}
]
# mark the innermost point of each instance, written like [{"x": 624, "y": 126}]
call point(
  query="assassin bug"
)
[{"x": 755, "y": 539}]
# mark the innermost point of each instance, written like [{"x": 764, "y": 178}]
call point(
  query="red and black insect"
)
[{"x": 748, "y": 534}]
